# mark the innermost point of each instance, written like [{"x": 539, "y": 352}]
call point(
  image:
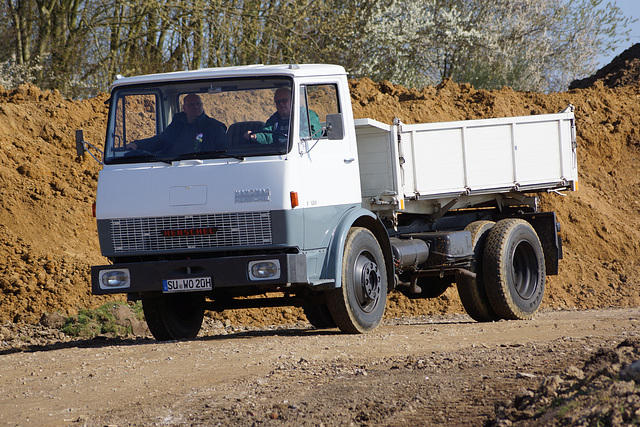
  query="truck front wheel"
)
[
  {"x": 358, "y": 306},
  {"x": 173, "y": 316},
  {"x": 514, "y": 269}
]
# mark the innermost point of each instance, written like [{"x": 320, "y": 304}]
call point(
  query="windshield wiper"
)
[{"x": 213, "y": 154}]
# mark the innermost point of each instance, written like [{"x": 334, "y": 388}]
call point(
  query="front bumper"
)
[{"x": 224, "y": 272}]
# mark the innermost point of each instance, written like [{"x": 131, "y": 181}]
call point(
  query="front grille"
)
[{"x": 191, "y": 232}]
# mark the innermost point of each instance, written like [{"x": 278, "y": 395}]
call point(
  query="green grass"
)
[{"x": 89, "y": 323}]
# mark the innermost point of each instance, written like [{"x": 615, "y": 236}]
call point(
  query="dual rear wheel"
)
[{"x": 510, "y": 271}]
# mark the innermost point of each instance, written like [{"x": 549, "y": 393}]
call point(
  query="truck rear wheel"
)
[
  {"x": 473, "y": 293},
  {"x": 174, "y": 316},
  {"x": 319, "y": 316},
  {"x": 358, "y": 306},
  {"x": 514, "y": 269}
]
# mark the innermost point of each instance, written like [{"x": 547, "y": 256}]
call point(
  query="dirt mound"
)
[
  {"x": 624, "y": 70},
  {"x": 603, "y": 392},
  {"x": 601, "y": 220},
  {"x": 48, "y": 237},
  {"x": 47, "y": 233}
]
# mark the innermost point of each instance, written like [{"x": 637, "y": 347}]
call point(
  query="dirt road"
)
[{"x": 412, "y": 371}]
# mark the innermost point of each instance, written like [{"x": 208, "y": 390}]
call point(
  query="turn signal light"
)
[{"x": 294, "y": 199}]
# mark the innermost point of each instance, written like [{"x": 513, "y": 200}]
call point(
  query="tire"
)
[
  {"x": 358, "y": 306},
  {"x": 472, "y": 292},
  {"x": 514, "y": 269},
  {"x": 175, "y": 316},
  {"x": 319, "y": 316}
]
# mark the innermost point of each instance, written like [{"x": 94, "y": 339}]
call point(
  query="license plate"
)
[{"x": 184, "y": 285}]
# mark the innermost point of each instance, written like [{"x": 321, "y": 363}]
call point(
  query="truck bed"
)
[{"x": 421, "y": 167}]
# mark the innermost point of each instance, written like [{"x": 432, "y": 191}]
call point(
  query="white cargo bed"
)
[{"x": 469, "y": 161}]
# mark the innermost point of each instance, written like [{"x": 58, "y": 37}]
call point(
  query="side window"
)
[
  {"x": 316, "y": 101},
  {"x": 135, "y": 118}
]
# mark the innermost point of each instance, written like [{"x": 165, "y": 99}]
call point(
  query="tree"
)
[
  {"x": 48, "y": 39},
  {"x": 79, "y": 46},
  {"x": 530, "y": 45}
]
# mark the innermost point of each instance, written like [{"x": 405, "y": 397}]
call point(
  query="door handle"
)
[{"x": 349, "y": 160}]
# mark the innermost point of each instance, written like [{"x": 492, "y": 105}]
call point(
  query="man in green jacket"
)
[{"x": 276, "y": 129}]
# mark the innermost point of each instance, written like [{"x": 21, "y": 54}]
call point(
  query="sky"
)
[{"x": 630, "y": 8}]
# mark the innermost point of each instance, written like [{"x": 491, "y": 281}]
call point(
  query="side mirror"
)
[
  {"x": 83, "y": 146},
  {"x": 335, "y": 128},
  {"x": 80, "y": 142}
]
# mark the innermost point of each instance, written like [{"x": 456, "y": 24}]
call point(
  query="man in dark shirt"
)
[{"x": 190, "y": 131}]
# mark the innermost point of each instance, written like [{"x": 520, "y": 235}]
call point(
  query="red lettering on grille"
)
[{"x": 189, "y": 232}]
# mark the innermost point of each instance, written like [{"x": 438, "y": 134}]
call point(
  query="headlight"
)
[
  {"x": 114, "y": 279},
  {"x": 264, "y": 270}
]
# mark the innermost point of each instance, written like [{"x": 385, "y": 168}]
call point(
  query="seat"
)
[{"x": 238, "y": 129}]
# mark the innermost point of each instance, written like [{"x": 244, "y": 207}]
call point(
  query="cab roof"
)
[{"x": 290, "y": 70}]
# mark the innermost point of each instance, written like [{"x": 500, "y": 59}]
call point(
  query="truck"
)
[{"x": 327, "y": 212}]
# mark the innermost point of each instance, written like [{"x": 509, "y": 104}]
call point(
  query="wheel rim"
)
[
  {"x": 525, "y": 270},
  {"x": 367, "y": 281}
]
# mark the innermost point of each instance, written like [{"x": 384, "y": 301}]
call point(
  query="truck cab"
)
[{"x": 236, "y": 216}]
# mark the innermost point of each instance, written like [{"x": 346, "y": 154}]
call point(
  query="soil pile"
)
[
  {"x": 48, "y": 237},
  {"x": 47, "y": 233},
  {"x": 624, "y": 70},
  {"x": 600, "y": 221}
]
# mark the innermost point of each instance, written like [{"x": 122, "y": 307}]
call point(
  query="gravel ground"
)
[{"x": 562, "y": 368}]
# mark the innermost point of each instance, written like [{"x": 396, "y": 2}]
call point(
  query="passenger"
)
[
  {"x": 190, "y": 131},
  {"x": 276, "y": 129}
]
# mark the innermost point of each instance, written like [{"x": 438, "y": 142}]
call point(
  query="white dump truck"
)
[{"x": 276, "y": 196}]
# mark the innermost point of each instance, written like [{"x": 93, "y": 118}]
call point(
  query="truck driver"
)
[{"x": 190, "y": 131}]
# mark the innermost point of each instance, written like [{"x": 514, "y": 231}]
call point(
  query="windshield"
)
[{"x": 202, "y": 119}]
